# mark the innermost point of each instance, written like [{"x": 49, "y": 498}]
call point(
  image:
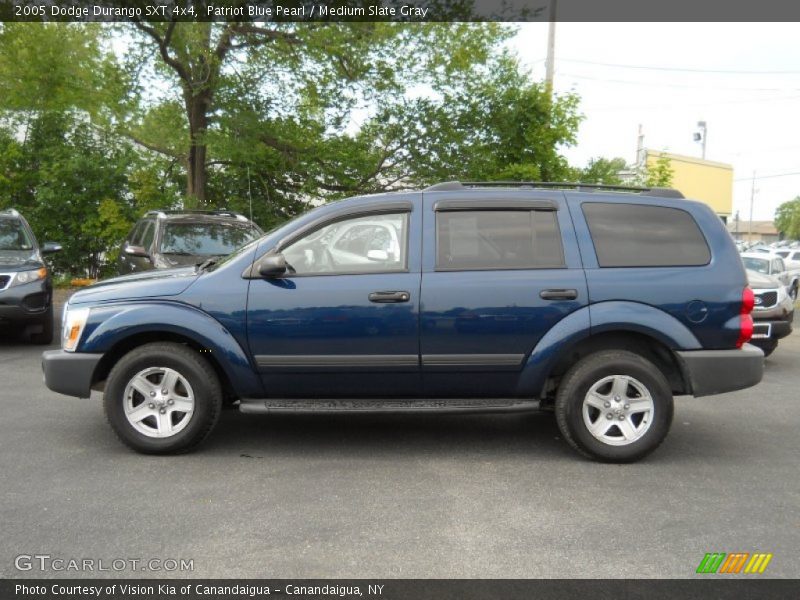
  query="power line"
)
[
  {"x": 768, "y": 176},
  {"x": 678, "y": 69},
  {"x": 694, "y": 104},
  {"x": 678, "y": 85}
]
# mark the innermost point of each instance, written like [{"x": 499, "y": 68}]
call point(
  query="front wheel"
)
[
  {"x": 162, "y": 398},
  {"x": 614, "y": 406}
]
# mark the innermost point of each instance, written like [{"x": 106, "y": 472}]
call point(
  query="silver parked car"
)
[{"x": 773, "y": 311}]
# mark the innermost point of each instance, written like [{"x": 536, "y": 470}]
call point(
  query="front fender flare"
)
[{"x": 109, "y": 325}]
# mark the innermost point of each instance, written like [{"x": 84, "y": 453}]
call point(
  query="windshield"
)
[
  {"x": 756, "y": 264},
  {"x": 13, "y": 236},
  {"x": 205, "y": 239}
]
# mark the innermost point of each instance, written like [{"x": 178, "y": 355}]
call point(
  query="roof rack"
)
[
  {"x": 663, "y": 192},
  {"x": 214, "y": 212}
]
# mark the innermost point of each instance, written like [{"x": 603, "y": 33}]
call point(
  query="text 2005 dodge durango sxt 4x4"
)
[{"x": 598, "y": 304}]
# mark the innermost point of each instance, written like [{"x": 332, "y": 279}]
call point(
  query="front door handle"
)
[
  {"x": 558, "y": 294},
  {"x": 387, "y": 297}
]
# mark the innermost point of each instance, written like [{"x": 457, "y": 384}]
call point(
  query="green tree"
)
[
  {"x": 288, "y": 80},
  {"x": 53, "y": 67},
  {"x": 269, "y": 116},
  {"x": 660, "y": 174},
  {"x": 602, "y": 170},
  {"x": 70, "y": 181},
  {"x": 787, "y": 218}
]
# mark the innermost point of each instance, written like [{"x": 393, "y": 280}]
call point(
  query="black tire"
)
[
  {"x": 45, "y": 337},
  {"x": 591, "y": 370},
  {"x": 190, "y": 365},
  {"x": 767, "y": 346}
]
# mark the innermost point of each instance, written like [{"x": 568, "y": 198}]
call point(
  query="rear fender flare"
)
[{"x": 604, "y": 317}]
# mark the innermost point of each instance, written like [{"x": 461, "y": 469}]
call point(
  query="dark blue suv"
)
[{"x": 599, "y": 304}]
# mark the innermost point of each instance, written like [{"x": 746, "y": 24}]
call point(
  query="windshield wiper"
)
[{"x": 179, "y": 253}]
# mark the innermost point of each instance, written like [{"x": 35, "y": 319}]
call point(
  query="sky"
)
[{"x": 743, "y": 79}]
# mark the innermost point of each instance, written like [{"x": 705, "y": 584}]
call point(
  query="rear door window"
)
[
  {"x": 498, "y": 239},
  {"x": 641, "y": 235}
]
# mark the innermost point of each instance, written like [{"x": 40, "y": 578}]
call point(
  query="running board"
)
[{"x": 387, "y": 406}]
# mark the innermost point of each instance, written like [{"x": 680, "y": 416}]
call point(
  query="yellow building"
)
[{"x": 698, "y": 179}]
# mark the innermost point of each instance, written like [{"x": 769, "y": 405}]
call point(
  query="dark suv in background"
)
[
  {"x": 26, "y": 288},
  {"x": 165, "y": 239}
]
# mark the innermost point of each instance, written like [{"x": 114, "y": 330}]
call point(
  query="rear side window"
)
[
  {"x": 639, "y": 235},
  {"x": 498, "y": 239}
]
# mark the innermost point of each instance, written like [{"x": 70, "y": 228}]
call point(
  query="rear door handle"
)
[
  {"x": 387, "y": 297},
  {"x": 558, "y": 294}
]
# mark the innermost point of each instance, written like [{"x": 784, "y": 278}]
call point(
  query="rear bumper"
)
[
  {"x": 717, "y": 371},
  {"x": 69, "y": 373}
]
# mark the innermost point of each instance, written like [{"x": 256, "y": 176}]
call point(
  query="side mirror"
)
[
  {"x": 51, "y": 248},
  {"x": 378, "y": 255},
  {"x": 273, "y": 265},
  {"x": 136, "y": 251}
]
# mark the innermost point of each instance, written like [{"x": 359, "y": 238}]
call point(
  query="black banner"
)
[
  {"x": 398, "y": 589},
  {"x": 399, "y": 10}
]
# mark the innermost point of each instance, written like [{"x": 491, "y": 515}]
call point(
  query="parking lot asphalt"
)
[{"x": 397, "y": 497}]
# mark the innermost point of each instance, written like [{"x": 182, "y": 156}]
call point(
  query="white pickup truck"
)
[{"x": 774, "y": 265}]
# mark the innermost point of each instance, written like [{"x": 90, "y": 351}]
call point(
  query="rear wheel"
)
[
  {"x": 614, "y": 406},
  {"x": 162, "y": 398}
]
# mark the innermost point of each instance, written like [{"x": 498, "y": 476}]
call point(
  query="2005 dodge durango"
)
[{"x": 598, "y": 304}]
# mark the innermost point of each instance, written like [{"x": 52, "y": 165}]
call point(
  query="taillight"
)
[
  {"x": 748, "y": 301},
  {"x": 745, "y": 320}
]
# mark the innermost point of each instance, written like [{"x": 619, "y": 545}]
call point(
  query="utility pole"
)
[
  {"x": 752, "y": 197},
  {"x": 551, "y": 49},
  {"x": 701, "y": 137}
]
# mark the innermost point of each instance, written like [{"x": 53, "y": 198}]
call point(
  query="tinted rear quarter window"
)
[
  {"x": 498, "y": 239},
  {"x": 641, "y": 235}
]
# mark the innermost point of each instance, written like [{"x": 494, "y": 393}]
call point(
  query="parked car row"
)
[
  {"x": 774, "y": 275},
  {"x": 773, "y": 311},
  {"x": 160, "y": 240}
]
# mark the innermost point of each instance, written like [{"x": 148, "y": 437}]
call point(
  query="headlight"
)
[
  {"x": 782, "y": 294},
  {"x": 24, "y": 277},
  {"x": 72, "y": 327}
]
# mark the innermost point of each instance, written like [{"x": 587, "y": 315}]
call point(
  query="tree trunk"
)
[{"x": 196, "y": 173}]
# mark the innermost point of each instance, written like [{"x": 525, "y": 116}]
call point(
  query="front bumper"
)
[
  {"x": 717, "y": 371},
  {"x": 69, "y": 373},
  {"x": 779, "y": 328},
  {"x": 25, "y": 303}
]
